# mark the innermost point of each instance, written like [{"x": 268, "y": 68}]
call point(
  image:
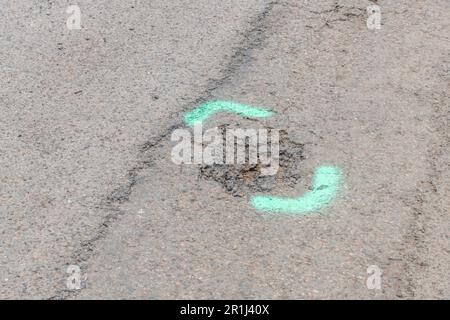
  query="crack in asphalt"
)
[
  {"x": 254, "y": 38},
  {"x": 338, "y": 13},
  {"x": 425, "y": 198}
]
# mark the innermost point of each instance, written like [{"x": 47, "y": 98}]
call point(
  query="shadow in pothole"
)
[{"x": 242, "y": 179}]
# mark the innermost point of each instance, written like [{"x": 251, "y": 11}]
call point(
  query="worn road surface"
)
[{"x": 86, "y": 176}]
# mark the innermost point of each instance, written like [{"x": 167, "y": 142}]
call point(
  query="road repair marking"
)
[
  {"x": 326, "y": 180},
  {"x": 204, "y": 111},
  {"x": 326, "y": 183}
]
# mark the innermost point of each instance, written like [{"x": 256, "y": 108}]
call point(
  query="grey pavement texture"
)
[{"x": 86, "y": 176}]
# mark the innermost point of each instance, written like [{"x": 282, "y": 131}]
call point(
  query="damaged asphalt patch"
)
[{"x": 243, "y": 179}]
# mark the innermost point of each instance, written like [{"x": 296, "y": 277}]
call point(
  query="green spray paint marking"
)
[
  {"x": 326, "y": 183},
  {"x": 204, "y": 111}
]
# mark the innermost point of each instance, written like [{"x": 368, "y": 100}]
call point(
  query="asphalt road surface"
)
[{"x": 86, "y": 176}]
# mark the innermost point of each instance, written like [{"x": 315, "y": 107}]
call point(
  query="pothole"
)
[{"x": 243, "y": 179}]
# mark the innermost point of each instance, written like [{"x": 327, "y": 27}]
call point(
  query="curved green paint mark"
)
[
  {"x": 326, "y": 183},
  {"x": 204, "y": 111}
]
